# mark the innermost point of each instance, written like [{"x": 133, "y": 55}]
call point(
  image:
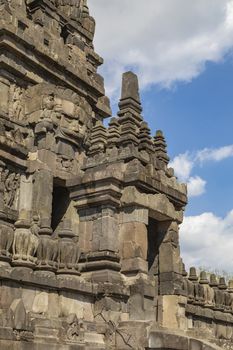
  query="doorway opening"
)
[
  {"x": 155, "y": 237},
  {"x": 60, "y": 205}
]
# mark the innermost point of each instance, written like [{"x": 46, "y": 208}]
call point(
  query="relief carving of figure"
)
[
  {"x": 74, "y": 124},
  {"x": 17, "y": 108},
  {"x": 11, "y": 188},
  {"x": 48, "y": 105},
  {"x": 47, "y": 116},
  {"x": 64, "y": 163}
]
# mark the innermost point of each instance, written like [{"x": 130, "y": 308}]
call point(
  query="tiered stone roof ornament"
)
[
  {"x": 113, "y": 133},
  {"x": 129, "y": 110},
  {"x": 89, "y": 215},
  {"x": 160, "y": 148}
]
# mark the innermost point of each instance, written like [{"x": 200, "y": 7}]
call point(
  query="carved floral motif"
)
[{"x": 75, "y": 330}]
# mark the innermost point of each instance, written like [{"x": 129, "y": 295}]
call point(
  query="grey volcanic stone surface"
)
[{"x": 89, "y": 214}]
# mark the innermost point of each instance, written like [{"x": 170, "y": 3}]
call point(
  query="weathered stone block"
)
[
  {"x": 133, "y": 238},
  {"x": 4, "y": 97},
  {"x": 40, "y": 303},
  {"x": 134, "y": 265}
]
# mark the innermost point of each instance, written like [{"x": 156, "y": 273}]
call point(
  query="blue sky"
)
[
  {"x": 195, "y": 116},
  {"x": 182, "y": 54}
]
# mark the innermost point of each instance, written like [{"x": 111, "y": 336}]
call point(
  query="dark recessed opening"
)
[
  {"x": 64, "y": 34},
  {"x": 46, "y": 42},
  {"x": 22, "y": 26},
  {"x": 155, "y": 238},
  {"x": 60, "y": 205}
]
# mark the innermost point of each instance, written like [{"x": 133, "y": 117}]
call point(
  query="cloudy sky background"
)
[{"x": 182, "y": 52}]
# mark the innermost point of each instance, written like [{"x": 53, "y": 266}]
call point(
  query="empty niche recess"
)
[
  {"x": 60, "y": 205},
  {"x": 155, "y": 237}
]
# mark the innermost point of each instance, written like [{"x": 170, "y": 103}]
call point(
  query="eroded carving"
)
[
  {"x": 64, "y": 163},
  {"x": 26, "y": 242},
  {"x": 75, "y": 330},
  {"x": 68, "y": 255},
  {"x": 59, "y": 111},
  {"x": 11, "y": 181},
  {"x": 16, "y": 108},
  {"x": 47, "y": 252},
  {"x": 6, "y": 240},
  {"x": 68, "y": 249}
]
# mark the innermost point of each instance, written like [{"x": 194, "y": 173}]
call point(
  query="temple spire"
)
[
  {"x": 130, "y": 97},
  {"x": 129, "y": 110},
  {"x": 160, "y": 147}
]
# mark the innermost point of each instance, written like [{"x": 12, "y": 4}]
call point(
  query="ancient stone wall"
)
[{"x": 89, "y": 214}]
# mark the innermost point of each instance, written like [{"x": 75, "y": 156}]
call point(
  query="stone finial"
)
[
  {"x": 113, "y": 133},
  {"x": 98, "y": 138},
  {"x": 203, "y": 278},
  {"x": 130, "y": 98},
  {"x": 130, "y": 108},
  {"x": 193, "y": 274},
  {"x": 160, "y": 147},
  {"x": 130, "y": 87},
  {"x": 222, "y": 283},
  {"x": 213, "y": 280},
  {"x": 145, "y": 139}
]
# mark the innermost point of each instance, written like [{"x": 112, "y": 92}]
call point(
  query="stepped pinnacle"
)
[
  {"x": 130, "y": 97},
  {"x": 130, "y": 87},
  {"x": 160, "y": 147}
]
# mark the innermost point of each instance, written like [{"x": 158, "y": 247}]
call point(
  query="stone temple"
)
[{"x": 89, "y": 215}]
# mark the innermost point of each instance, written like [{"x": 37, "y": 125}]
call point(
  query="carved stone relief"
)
[
  {"x": 47, "y": 252},
  {"x": 64, "y": 163},
  {"x": 16, "y": 107},
  {"x": 26, "y": 242},
  {"x": 6, "y": 240},
  {"x": 11, "y": 181},
  {"x": 59, "y": 112},
  {"x": 68, "y": 255},
  {"x": 75, "y": 329}
]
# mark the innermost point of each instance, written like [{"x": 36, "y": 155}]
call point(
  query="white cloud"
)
[
  {"x": 184, "y": 163},
  {"x": 163, "y": 41},
  {"x": 207, "y": 240},
  {"x": 216, "y": 154},
  {"x": 196, "y": 186}
]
